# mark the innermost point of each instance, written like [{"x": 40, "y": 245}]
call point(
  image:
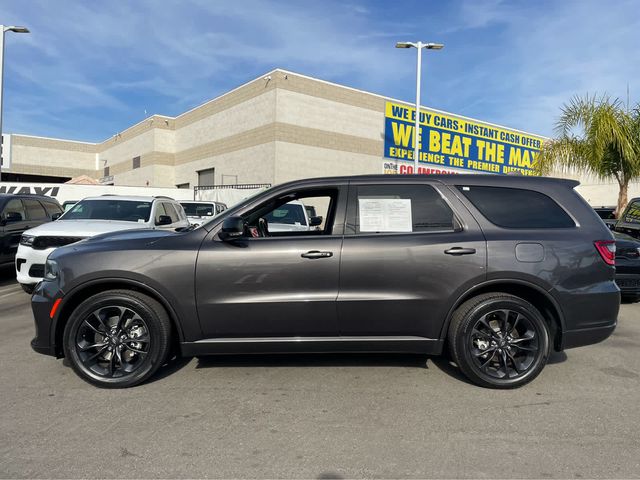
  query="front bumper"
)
[
  {"x": 42, "y": 300},
  {"x": 30, "y": 264}
]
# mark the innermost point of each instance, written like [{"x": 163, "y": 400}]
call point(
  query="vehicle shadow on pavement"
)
[
  {"x": 170, "y": 367},
  {"x": 314, "y": 360},
  {"x": 346, "y": 360},
  {"x": 7, "y": 275},
  {"x": 343, "y": 360}
]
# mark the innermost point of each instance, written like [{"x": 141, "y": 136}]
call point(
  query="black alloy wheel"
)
[
  {"x": 117, "y": 338},
  {"x": 499, "y": 340}
]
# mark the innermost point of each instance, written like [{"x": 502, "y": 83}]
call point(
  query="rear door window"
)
[
  {"x": 35, "y": 211},
  {"x": 399, "y": 209},
  {"x": 516, "y": 207}
]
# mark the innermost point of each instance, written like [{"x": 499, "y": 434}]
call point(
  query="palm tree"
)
[{"x": 598, "y": 136}]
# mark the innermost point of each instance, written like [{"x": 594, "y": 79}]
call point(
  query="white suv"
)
[
  {"x": 87, "y": 218},
  {"x": 200, "y": 212}
]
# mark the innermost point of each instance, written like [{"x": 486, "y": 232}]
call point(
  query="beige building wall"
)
[
  {"x": 249, "y": 115},
  {"x": 252, "y": 164},
  {"x": 48, "y": 156},
  {"x": 276, "y": 128},
  {"x": 296, "y": 161}
]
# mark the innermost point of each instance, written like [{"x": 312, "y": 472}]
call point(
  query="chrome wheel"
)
[
  {"x": 504, "y": 344},
  {"x": 112, "y": 342}
]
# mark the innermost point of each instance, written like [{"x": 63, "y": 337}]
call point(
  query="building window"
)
[
  {"x": 106, "y": 172},
  {"x": 183, "y": 185},
  {"x": 136, "y": 162},
  {"x": 206, "y": 177}
]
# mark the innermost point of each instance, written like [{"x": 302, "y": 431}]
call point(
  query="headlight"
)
[
  {"x": 27, "y": 240},
  {"x": 50, "y": 270}
]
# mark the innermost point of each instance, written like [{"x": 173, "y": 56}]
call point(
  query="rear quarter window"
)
[
  {"x": 632, "y": 214},
  {"x": 516, "y": 207}
]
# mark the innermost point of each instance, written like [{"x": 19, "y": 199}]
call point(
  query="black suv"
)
[
  {"x": 19, "y": 213},
  {"x": 500, "y": 270}
]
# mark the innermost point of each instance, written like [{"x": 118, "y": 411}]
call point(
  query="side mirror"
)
[
  {"x": 164, "y": 220},
  {"x": 315, "y": 221},
  {"x": 232, "y": 227},
  {"x": 13, "y": 217},
  {"x": 56, "y": 216}
]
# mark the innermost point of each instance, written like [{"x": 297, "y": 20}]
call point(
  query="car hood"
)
[
  {"x": 143, "y": 235},
  {"x": 82, "y": 228}
]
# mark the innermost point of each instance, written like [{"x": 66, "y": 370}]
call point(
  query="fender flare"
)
[
  {"x": 517, "y": 282},
  {"x": 141, "y": 286}
]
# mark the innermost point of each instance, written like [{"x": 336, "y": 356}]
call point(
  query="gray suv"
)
[{"x": 497, "y": 271}]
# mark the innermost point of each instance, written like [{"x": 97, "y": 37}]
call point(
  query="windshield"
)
[
  {"x": 198, "y": 209},
  {"x": 122, "y": 210}
]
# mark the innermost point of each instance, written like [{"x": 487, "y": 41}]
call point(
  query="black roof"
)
[
  {"x": 27, "y": 195},
  {"x": 448, "y": 179}
]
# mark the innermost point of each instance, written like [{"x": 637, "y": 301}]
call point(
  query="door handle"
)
[
  {"x": 317, "y": 254},
  {"x": 460, "y": 251}
]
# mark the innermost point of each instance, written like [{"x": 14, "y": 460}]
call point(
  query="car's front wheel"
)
[
  {"x": 117, "y": 338},
  {"x": 499, "y": 340}
]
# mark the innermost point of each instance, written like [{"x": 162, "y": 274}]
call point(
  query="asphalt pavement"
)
[{"x": 322, "y": 416}]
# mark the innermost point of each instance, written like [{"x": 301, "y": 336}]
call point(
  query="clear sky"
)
[{"x": 90, "y": 69}]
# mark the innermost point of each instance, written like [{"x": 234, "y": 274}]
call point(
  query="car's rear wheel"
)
[
  {"x": 27, "y": 288},
  {"x": 117, "y": 338},
  {"x": 499, "y": 340}
]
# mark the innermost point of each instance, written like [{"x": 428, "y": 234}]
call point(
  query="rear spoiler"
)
[{"x": 568, "y": 182}]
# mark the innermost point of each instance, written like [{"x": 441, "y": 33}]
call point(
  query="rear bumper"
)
[
  {"x": 590, "y": 315},
  {"x": 587, "y": 336},
  {"x": 628, "y": 283}
]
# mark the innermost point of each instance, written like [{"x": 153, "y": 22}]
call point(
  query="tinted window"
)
[
  {"x": 632, "y": 214},
  {"x": 517, "y": 208},
  {"x": 35, "y": 211},
  {"x": 400, "y": 208},
  {"x": 124, "y": 210},
  {"x": 198, "y": 209},
  {"x": 605, "y": 213},
  {"x": 14, "y": 206},
  {"x": 52, "y": 208}
]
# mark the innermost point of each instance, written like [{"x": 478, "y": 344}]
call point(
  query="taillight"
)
[{"x": 607, "y": 250}]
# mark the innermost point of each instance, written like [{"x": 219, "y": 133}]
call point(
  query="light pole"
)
[
  {"x": 419, "y": 46},
  {"x": 4, "y": 30}
]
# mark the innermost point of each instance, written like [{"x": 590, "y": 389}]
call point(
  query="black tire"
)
[
  {"x": 27, "y": 288},
  {"x": 631, "y": 298},
  {"x": 508, "y": 357},
  {"x": 125, "y": 338}
]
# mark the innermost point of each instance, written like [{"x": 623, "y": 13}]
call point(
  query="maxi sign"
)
[{"x": 449, "y": 141}]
